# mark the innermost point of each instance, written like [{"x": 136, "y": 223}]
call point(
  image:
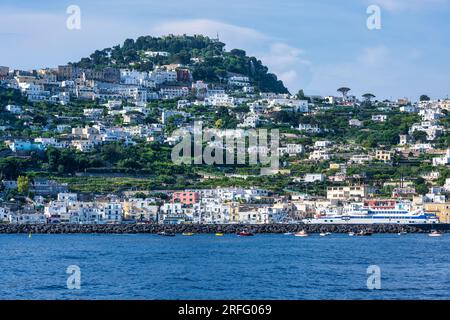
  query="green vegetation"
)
[{"x": 206, "y": 58}]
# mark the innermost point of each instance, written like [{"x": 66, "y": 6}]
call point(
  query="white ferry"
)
[{"x": 374, "y": 212}]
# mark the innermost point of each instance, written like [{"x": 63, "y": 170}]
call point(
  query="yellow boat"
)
[
  {"x": 187, "y": 234},
  {"x": 219, "y": 234}
]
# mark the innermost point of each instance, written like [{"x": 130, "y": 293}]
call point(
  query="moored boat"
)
[
  {"x": 187, "y": 233},
  {"x": 245, "y": 234},
  {"x": 435, "y": 233},
  {"x": 364, "y": 233},
  {"x": 324, "y": 234},
  {"x": 166, "y": 234},
  {"x": 302, "y": 233},
  {"x": 219, "y": 234}
]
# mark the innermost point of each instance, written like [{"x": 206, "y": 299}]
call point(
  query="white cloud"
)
[
  {"x": 370, "y": 71},
  {"x": 406, "y": 5},
  {"x": 373, "y": 56},
  {"x": 286, "y": 61},
  {"x": 288, "y": 64}
]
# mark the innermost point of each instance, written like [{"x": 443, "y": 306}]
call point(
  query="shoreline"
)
[{"x": 223, "y": 228}]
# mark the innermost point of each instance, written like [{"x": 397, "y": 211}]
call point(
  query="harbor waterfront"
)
[
  {"x": 204, "y": 266},
  {"x": 219, "y": 228}
]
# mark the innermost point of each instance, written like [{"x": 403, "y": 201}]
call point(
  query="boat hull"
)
[{"x": 368, "y": 221}]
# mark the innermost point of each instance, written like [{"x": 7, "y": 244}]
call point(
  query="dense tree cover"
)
[
  {"x": 113, "y": 157},
  {"x": 212, "y": 61},
  {"x": 335, "y": 122},
  {"x": 11, "y": 96},
  {"x": 12, "y": 167}
]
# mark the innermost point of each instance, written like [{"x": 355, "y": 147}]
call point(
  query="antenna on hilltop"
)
[{"x": 217, "y": 37}]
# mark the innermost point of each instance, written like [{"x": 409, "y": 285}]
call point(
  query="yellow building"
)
[
  {"x": 335, "y": 166},
  {"x": 347, "y": 192},
  {"x": 137, "y": 209},
  {"x": 442, "y": 210},
  {"x": 383, "y": 155},
  {"x": 234, "y": 212}
]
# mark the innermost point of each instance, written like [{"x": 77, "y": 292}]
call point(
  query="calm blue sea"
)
[{"x": 412, "y": 266}]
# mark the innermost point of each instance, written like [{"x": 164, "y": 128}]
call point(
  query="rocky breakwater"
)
[{"x": 223, "y": 228}]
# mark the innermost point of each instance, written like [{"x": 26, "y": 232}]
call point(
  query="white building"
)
[
  {"x": 251, "y": 120},
  {"x": 289, "y": 104},
  {"x": 379, "y": 118},
  {"x": 14, "y": 109},
  {"x": 442, "y": 161},
  {"x": 320, "y": 155},
  {"x": 223, "y": 100},
  {"x": 314, "y": 177},
  {"x": 321, "y": 144},
  {"x": 173, "y": 92},
  {"x": 309, "y": 128},
  {"x": 238, "y": 81},
  {"x": 355, "y": 123},
  {"x": 291, "y": 149}
]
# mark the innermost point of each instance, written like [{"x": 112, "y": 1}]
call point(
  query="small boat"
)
[
  {"x": 351, "y": 233},
  {"x": 402, "y": 233},
  {"x": 435, "y": 233},
  {"x": 187, "y": 233},
  {"x": 166, "y": 234},
  {"x": 302, "y": 233},
  {"x": 29, "y": 235},
  {"x": 324, "y": 234},
  {"x": 245, "y": 234},
  {"x": 288, "y": 233},
  {"x": 364, "y": 233},
  {"x": 219, "y": 234}
]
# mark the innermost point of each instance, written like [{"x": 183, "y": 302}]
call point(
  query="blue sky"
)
[{"x": 317, "y": 45}]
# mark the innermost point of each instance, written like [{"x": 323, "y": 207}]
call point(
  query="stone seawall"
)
[{"x": 224, "y": 228}]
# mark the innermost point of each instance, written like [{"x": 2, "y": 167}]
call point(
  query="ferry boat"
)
[{"x": 390, "y": 212}]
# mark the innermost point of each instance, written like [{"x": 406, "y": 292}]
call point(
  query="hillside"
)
[{"x": 205, "y": 57}]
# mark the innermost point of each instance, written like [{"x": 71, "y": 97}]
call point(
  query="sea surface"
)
[{"x": 142, "y": 266}]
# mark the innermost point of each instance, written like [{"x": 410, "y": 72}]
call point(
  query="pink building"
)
[{"x": 186, "y": 197}]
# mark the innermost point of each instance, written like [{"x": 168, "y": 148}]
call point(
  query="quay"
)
[{"x": 216, "y": 228}]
